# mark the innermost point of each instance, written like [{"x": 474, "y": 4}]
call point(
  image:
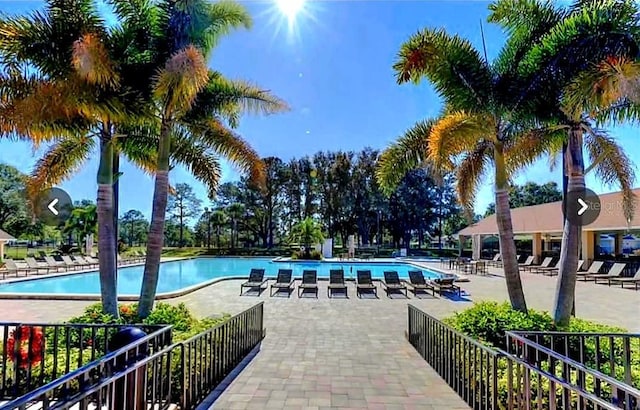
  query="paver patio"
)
[{"x": 351, "y": 353}]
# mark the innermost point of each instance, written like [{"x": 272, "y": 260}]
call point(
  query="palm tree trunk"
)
[
  {"x": 116, "y": 198},
  {"x": 156, "y": 229},
  {"x": 106, "y": 238},
  {"x": 505, "y": 234},
  {"x": 566, "y": 285}
]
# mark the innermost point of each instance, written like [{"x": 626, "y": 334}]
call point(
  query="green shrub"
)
[
  {"x": 489, "y": 321},
  {"x": 166, "y": 314},
  {"x": 314, "y": 255}
]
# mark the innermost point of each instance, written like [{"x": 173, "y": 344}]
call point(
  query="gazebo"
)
[
  {"x": 542, "y": 224},
  {"x": 4, "y": 238}
]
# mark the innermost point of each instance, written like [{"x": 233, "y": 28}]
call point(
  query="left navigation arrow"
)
[{"x": 52, "y": 207}]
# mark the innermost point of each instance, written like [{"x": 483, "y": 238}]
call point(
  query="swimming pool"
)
[{"x": 177, "y": 276}]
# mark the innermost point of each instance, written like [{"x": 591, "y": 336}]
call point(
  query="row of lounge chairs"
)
[
  {"x": 611, "y": 277},
  {"x": 65, "y": 263},
  {"x": 364, "y": 283}
]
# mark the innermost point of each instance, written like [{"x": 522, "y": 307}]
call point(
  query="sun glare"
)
[{"x": 290, "y": 8}]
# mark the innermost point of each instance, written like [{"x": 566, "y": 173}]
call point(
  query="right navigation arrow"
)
[{"x": 583, "y": 205}]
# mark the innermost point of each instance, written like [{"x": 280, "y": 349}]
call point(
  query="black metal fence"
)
[
  {"x": 181, "y": 374},
  {"x": 530, "y": 376},
  {"x": 606, "y": 365},
  {"x": 33, "y": 354}
]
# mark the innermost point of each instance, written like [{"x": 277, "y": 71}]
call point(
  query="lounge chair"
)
[
  {"x": 54, "y": 264},
  {"x": 542, "y": 269},
  {"x": 309, "y": 281},
  {"x": 634, "y": 280},
  {"x": 256, "y": 280},
  {"x": 419, "y": 283},
  {"x": 593, "y": 269},
  {"x": 527, "y": 262},
  {"x": 442, "y": 285},
  {"x": 283, "y": 281},
  {"x": 495, "y": 260},
  {"x": 10, "y": 266},
  {"x": 70, "y": 263},
  {"x": 556, "y": 269},
  {"x": 364, "y": 282},
  {"x": 392, "y": 283},
  {"x": 35, "y": 266},
  {"x": 614, "y": 272},
  {"x": 545, "y": 264},
  {"x": 86, "y": 262},
  {"x": 336, "y": 282}
]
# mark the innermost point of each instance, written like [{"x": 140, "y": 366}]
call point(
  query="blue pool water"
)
[{"x": 187, "y": 273}]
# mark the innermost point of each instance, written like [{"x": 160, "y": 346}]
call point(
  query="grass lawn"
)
[
  {"x": 14, "y": 252},
  {"x": 183, "y": 252}
]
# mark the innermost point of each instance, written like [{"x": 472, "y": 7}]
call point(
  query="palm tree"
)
[
  {"x": 83, "y": 221},
  {"x": 235, "y": 212},
  {"x": 218, "y": 219},
  {"x": 307, "y": 232},
  {"x": 476, "y": 130},
  {"x": 560, "y": 45}
]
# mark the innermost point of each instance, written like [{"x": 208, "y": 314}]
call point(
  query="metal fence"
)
[
  {"x": 33, "y": 354},
  {"x": 488, "y": 378},
  {"x": 181, "y": 374},
  {"x": 605, "y": 365}
]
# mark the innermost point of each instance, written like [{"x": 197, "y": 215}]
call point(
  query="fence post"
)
[{"x": 129, "y": 391}]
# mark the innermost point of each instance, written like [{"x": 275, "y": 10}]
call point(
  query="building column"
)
[
  {"x": 536, "y": 249},
  {"x": 476, "y": 247},
  {"x": 619, "y": 239},
  {"x": 588, "y": 247},
  {"x": 1, "y": 250},
  {"x": 461, "y": 242}
]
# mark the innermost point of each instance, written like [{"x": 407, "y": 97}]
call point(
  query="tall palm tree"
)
[
  {"x": 235, "y": 212},
  {"x": 191, "y": 101},
  {"x": 218, "y": 219},
  {"x": 478, "y": 126},
  {"x": 560, "y": 45}
]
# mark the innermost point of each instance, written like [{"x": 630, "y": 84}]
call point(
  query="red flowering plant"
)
[{"x": 26, "y": 346}]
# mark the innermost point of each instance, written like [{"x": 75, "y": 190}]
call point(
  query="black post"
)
[{"x": 129, "y": 391}]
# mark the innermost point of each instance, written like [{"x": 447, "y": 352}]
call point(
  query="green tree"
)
[
  {"x": 529, "y": 194},
  {"x": 183, "y": 205},
  {"x": 559, "y": 46},
  {"x": 235, "y": 212},
  {"x": 13, "y": 208},
  {"x": 307, "y": 233},
  {"x": 134, "y": 227},
  {"x": 82, "y": 222}
]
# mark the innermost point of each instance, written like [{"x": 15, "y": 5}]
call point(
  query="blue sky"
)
[{"x": 335, "y": 72}]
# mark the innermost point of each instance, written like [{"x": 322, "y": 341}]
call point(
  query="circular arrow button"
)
[
  {"x": 53, "y": 206},
  {"x": 583, "y": 207}
]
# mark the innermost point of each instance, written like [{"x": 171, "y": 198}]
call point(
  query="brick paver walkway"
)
[{"x": 336, "y": 354}]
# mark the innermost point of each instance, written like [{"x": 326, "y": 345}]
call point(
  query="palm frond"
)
[
  {"x": 612, "y": 165},
  {"x": 409, "y": 152},
  {"x": 222, "y": 18},
  {"x": 456, "y": 69},
  {"x": 232, "y": 98},
  {"x": 92, "y": 62},
  {"x": 231, "y": 146},
  {"x": 181, "y": 79},
  {"x": 470, "y": 172},
  {"x": 197, "y": 158},
  {"x": 455, "y": 134},
  {"x": 140, "y": 145},
  {"x": 603, "y": 85},
  {"x": 525, "y": 148},
  {"x": 61, "y": 161},
  {"x": 586, "y": 36}
]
